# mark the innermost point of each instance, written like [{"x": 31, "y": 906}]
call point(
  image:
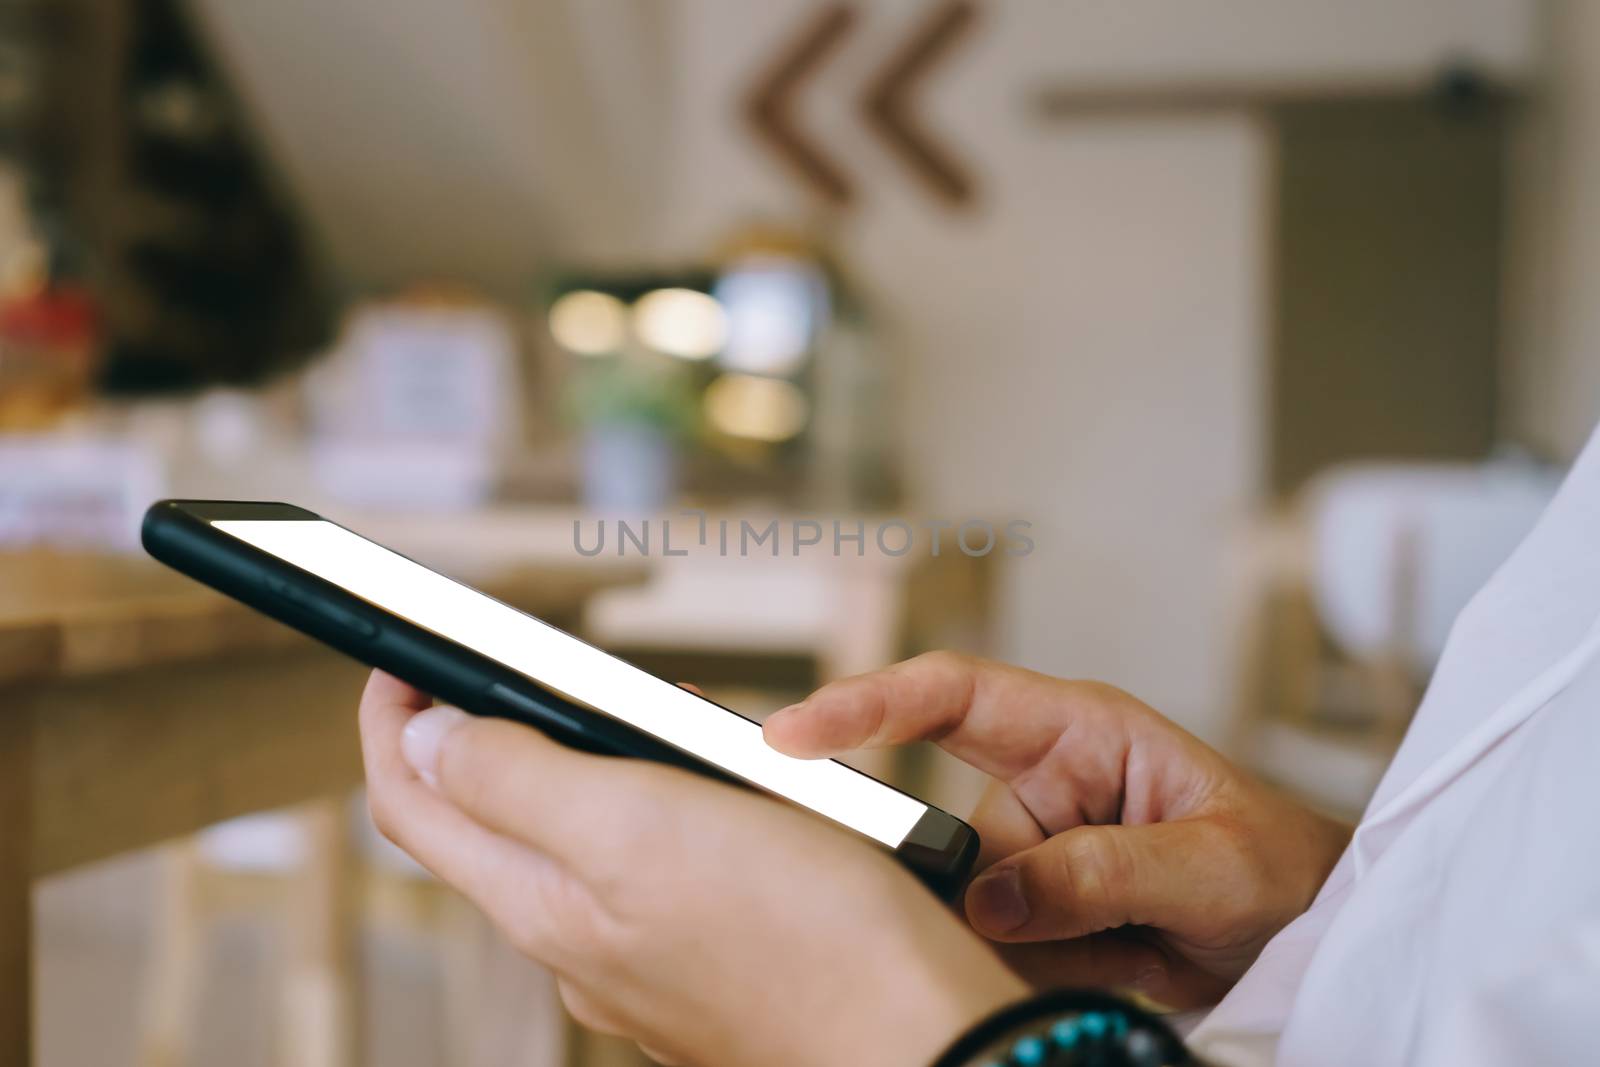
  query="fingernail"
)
[
  {"x": 420, "y": 741},
  {"x": 995, "y": 901}
]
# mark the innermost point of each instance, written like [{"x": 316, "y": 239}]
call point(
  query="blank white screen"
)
[{"x": 580, "y": 672}]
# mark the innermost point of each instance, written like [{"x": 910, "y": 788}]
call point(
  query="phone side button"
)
[
  {"x": 362, "y": 627},
  {"x": 329, "y": 612},
  {"x": 530, "y": 709}
]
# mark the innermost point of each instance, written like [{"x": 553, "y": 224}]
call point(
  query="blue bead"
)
[
  {"x": 1119, "y": 1025},
  {"x": 1093, "y": 1023},
  {"x": 1065, "y": 1033},
  {"x": 1028, "y": 1051}
]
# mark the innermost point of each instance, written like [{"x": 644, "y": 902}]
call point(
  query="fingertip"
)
[
  {"x": 386, "y": 705},
  {"x": 995, "y": 902},
  {"x": 775, "y": 730},
  {"x": 388, "y": 698}
]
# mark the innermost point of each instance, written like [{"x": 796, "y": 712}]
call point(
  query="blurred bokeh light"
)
[
  {"x": 681, "y": 322},
  {"x": 589, "y": 323}
]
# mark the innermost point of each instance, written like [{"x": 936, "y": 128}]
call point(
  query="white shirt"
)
[{"x": 1462, "y": 925}]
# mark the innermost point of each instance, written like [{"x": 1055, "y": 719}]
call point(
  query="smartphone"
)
[{"x": 468, "y": 649}]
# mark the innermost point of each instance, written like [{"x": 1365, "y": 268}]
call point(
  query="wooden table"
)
[{"x": 136, "y": 706}]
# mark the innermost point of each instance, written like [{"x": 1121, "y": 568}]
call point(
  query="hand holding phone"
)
[
  {"x": 468, "y": 649},
  {"x": 709, "y": 924}
]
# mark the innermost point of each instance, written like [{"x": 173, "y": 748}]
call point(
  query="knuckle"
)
[
  {"x": 1109, "y": 704},
  {"x": 941, "y": 663},
  {"x": 583, "y": 1009},
  {"x": 469, "y": 763},
  {"x": 941, "y": 684},
  {"x": 1103, "y": 694},
  {"x": 1254, "y": 891},
  {"x": 1096, "y": 869},
  {"x": 944, "y": 669},
  {"x": 522, "y": 934},
  {"x": 526, "y": 931},
  {"x": 540, "y": 919}
]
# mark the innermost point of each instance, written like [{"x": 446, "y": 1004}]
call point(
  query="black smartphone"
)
[{"x": 486, "y": 657}]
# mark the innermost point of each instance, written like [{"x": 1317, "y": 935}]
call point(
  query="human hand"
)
[
  {"x": 1118, "y": 850},
  {"x": 710, "y": 924}
]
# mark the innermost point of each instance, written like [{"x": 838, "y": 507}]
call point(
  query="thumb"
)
[{"x": 1094, "y": 878}]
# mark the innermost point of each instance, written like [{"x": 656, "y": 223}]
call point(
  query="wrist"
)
[{"x": 939, "y": 1015}]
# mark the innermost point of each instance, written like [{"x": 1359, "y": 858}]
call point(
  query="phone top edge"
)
[
  {"x": 211, "y": 510},
  {"x": 942, "y": 849}
]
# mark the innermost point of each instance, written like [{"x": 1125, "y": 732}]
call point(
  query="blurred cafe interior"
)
[{"x": 1222, "y": 348}]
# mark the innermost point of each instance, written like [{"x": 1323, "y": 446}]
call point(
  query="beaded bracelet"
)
[{"x": 1068, "y": 1028}]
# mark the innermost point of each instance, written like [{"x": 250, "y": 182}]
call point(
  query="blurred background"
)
[{"x": 1268, "y": 318}]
